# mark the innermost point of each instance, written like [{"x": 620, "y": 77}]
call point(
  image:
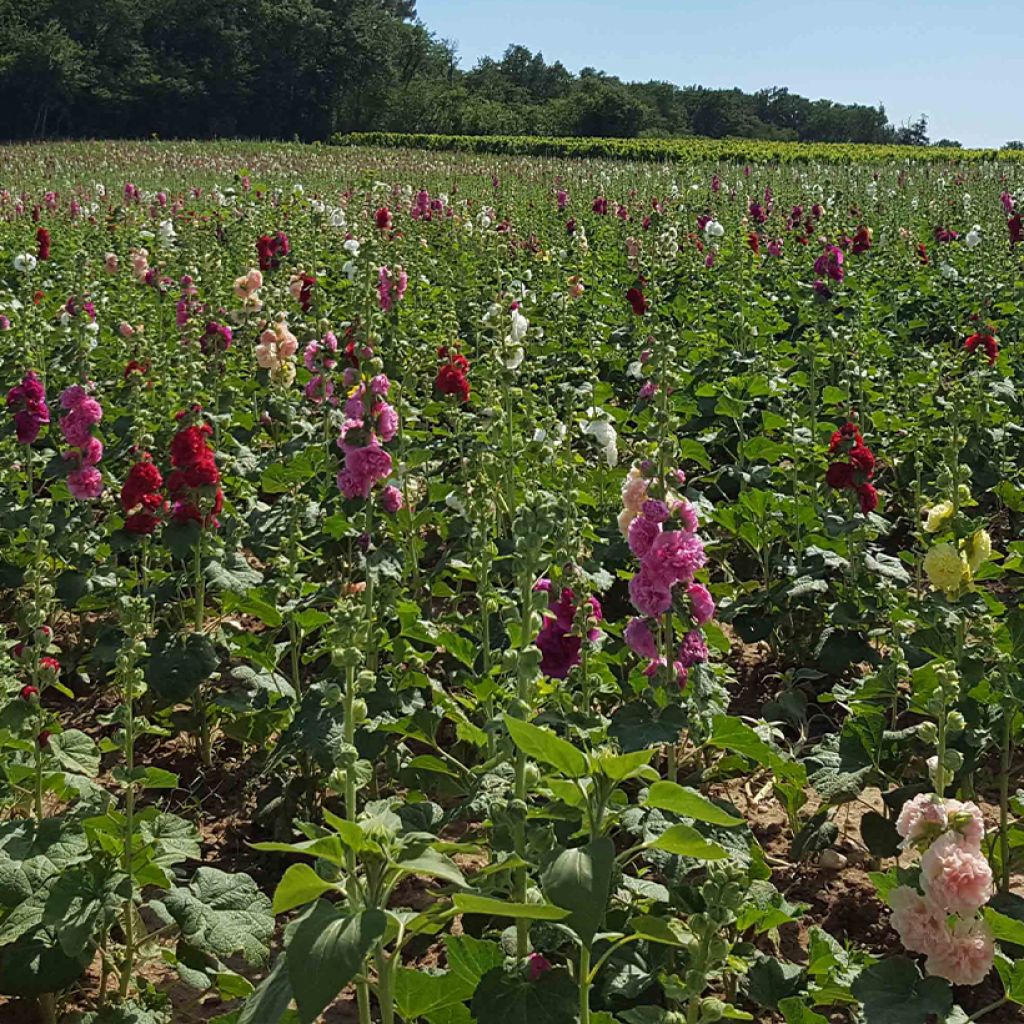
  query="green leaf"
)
[
  {"x": 35, "y": 964},
  {"x": 638, "y": 726},
  {"x": 300, "y": 884},
  {"x": 731, "y": 734},
  {"x": 177, "y": 665},
  {"x": 668, "y": 796},
  {"x": 509, "y": 998},
  {"x": 686, "y": 841},
  {"x": 470, "y": 959},
  {"x": 419, "y": 994},
  {"x": 795, "y": 1011},
  {"x": 434, "y": 865},
  {"x": 543, "y": 745},
  {"x": 1011, "y": 974},
  {"x": 76, "y": 752},
  {"x": 459, "y": 647},
  {"x": 580, "y": 881},
  {"x": 470, "y": 903},
  {"x": 223, "y": 914},
  {"x": 83, "y": 903},
  {"x": 879, "y": 835},
  {"x": 1005, "y": 928},
  {"x": 326, "y": 951},
  {"x": 893, "y": 992},
  {"x": 270, "y": 1001},
  {"x": 620, "y": 767},
  {"x": 232, "y": 573},
  {"x": 769, "y": 980},
  {"x": 668, "y": 931}
]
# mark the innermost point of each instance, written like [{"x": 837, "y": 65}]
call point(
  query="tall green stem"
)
[{"x": 584, "y": 981}]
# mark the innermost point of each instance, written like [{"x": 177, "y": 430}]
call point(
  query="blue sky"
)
[{"x": 961, "y": 62}]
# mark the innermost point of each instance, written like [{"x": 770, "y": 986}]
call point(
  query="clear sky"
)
[{"x": 961, "y": 62}]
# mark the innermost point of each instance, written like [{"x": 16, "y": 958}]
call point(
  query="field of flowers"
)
[{"x": 453, "y": 587}]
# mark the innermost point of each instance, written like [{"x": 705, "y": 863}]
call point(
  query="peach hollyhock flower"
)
[
  {"x": 634, "y": 494},
  {"x": 965, "y": 956},
  {"x": 922, "y": 818},
  {"x": 111, "y": 263},
  {"x": 576, "y": 286},
  {"x": 920, "y": 923},
  {"x": 140, "y": 263},
  {"x": 955, "y": 875}
]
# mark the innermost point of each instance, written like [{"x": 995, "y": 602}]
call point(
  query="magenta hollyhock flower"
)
[
  {"x": 28, "y": 401},
  {"x": 364, "y": 467},
  {"x": 640, "y": 638},
  {"x": 85, "y": 483},
  {"x": 391, "y": 499},
  {"x": 674, "y": 557},
  {"x": 559, "y": 645},
  {"x": 702, "y": 604},
  {"x": 641, "y": 534},
  {"x": 650, "y": 595},
  {"x": 693, "y": 650},
  {"x": 830, "y": 263}
]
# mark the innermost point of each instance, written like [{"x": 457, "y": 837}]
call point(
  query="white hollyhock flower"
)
[
  {"x": 973, "y": 237},
  {"x": 25, "y": 262},
  {"x": 713, "y": 229}
]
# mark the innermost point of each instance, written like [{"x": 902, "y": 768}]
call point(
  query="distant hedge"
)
[{"x": 672, "y": 149}]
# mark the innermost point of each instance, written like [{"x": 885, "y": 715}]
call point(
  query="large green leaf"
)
[
  {"x": 84, "y": 902},
  {"x": 223, "y": 914},
  {"x": 326, "y": 951},
  {"x": 434, "y": 865},
  {"x": 76, "y": 752},
  {"x": 579, "y": 880},
  {"x": 35, "y": 964},
  {"x": 669, "y": 796},
  {"x": 300, "y": 884},
  {"x": 470, "y": 903},
  {"x": 893, "y": 992},
  {"x": 177, "y": 665},
  {"x": 544, "y": 746},
  {"x": 509, "y": 998},
  {"x": 686, "y": 841},
  {"x": 270, "y": 1001}
]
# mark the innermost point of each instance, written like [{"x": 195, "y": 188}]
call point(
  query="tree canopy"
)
[{"x": 310, "y": 68}]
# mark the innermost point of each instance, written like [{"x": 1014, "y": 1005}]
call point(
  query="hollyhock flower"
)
[
  {"x": 391, "y": 499},
  {"x": 921, "y": 819},
  {"x": 640, "y": 639},
  {"x": 693, "y": 650},
  {"x": 830, "y": 264},
  {"x": 382, "y": 218},
  {"x": 977, "y": 549},
  {"x": 537, "y": 966},
  {"x": 28, "y": 693},
  {"x": 216, "y": 338},
  {"x": 713, "y": 229},
  {"x": 965, "y": 956},
  {"x": 702, "y": 604},
  {"x": 562, "y": 199},
  {"x": 43, "y": 243},
  {"x": 955, "y": 875},
  {"x": 28, "y": 402},
  {"x": 558, "y": 644},
  {"x": 111, "y": 263},
  {"x": 141, "y": 498},
  {"x": 270, "y": 249},
  {"x": 276, "y": 352},
  {"x": 634, "y": 491},
  {"x": 651, "y": 595},
  {"x": 945, "y": 567},
  {"x": 966, "y": 820},
  {"x": 943, "y": 234},
  {"x": 675, "y": 556},
  {"x": 85, "y": 483},
  {"x": 922, "y": 254},
  {"x": 300, "y": 287},
  {"x": 364, "y": 467},
  {"x": 452, "y": 376},
  {"x": 920, "y": 924},
  {"x": 637, "y": 301},
  {"x": 1015, "y": 225},
  {"x": 686, "y": 514},
  {"x": 600, "y": 427},
  {"x": 754, "y": 241},
  {"x": 24, "y": 263},
  {"x": 986, "y": 342},
  {"x": 387, "y": 420},
  {"x": 861, "y": 240},
  {"x": 839, "y": 475},
  {"x": 599, "y": 205},
  {"x": 867, "y": 496},
  {"x": 196, "y": 477},
  {"x": 641, "y": 535}
]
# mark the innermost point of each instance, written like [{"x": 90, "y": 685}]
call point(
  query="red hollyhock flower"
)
[
  {"x": 922, "y": 254},
  {"x": 635, "y": 297},
  {"x": 195, "y": 476},
  {"x": 306, "y": 291},
  {"x": 1016, "y": 227},
  {"x": 48, "y": 664},
  {"x": 28, "y": 693},
  {"x": 754, "y": 242},
  {"x": 43, "y": 739},
  {"x": 862, "y": 239},
  {"x": 868, "y": 497},
  {"x": 43, "y": 241},
  {"x": 383, "y": 218},
  {"x": 986, "y": 342},
  {"x": 451, "y": 377},
  {"x": 862, "y": 459},
  {"x": 846, "y": 437},
  {"x": 839, "y": 475}
]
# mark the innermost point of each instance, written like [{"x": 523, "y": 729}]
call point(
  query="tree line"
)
[{"x": 308, "y": 69}]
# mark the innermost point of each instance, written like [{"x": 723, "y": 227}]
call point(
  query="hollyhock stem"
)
[
  {"x": 205, "y": 745},
  {"x": 1006, "y": 748},
  {"x": 584, "y": 983}
]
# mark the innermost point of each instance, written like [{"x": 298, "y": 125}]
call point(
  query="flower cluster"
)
[
  {"x": 369, "y": 421},
  {"x": 300, "y": 287},
  {"x": 853, "y": 466},
  {"x": 984, "y": 341},
  {"x": 391, "y": 286},
  {"x": 452, "y": 375},
  {"x": 270, "y": 249},
  {"x": 276, "y": 352},
  {"x": 319, "y": 359},
  {"x": 669, "y": 559},
  {"x": 193, "y": 483},
  {"x": 247, "y": 288},
  {"x": 83, "y": 412},
  {"x": 560, "y": 639},
  {"x": 141, "y": 497},
  {"x": 215, "y": 338},
  {"x": 942, "y": 920},
  {"x": 951, "y": 565},
  {"x": 43, "y": 243},
  {"x": 28, "y": 401}
]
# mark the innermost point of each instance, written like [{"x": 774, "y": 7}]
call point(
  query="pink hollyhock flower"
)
[
  {"x": 641, "y": 535},
  {"x": 966, "y": 956},
  {"x": 537, "y": 966},
  {"x": 702, "y": 604},
  {"x": 387, "y": 421},
  {"x": 956, "y": 876},
  {"x": 391, "y": 499},
  {"x": 363, "y": 468},
  {"x": 966, "y": 819},
  {"x": 687, "y": 515},
  {"x": 640, "y": 639},
  {"x": 693, "y": 650},
  {"x": 922, "y": 818},
  {"x": 921, "y": 924},
  {"x": 674, "y": 556},
  {"x": 85, "y": 483},
  {"x": 649, "y": 594}
]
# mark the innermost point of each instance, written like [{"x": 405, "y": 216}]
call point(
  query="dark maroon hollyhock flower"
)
[
  {"x": 43, "y": 241},
  {"x": 635, "y": 297},
  {"x": 1016, "y": 228}
]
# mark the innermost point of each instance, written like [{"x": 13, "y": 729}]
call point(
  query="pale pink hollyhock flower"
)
[
  {"x": 923, "y": 817},
  {"x": 576, "y": 286},
  {"x": 111, "y": 263},
  {"x": 634, "y": 491},
  {"x": 955, "y": 875},
  {"x": 966, "y": 956},
  {"x": 625, "y": 518},
  {"x": 125, "y": 329},
  {"x": 921, "y": 925},
  {"x": 966, "y": 819}
]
